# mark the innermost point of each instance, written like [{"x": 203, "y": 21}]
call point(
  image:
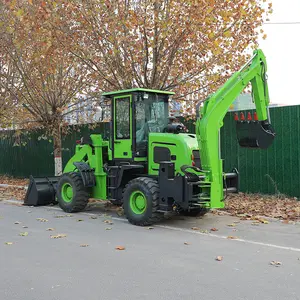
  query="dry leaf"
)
[
  {"x": 232, "y": 237},
  {"x": 120, "y": 248},
  {"x": 108, "y": 222},
  {"x": 149, "y": 228},
  {"x": 84, "y": 245},
  {"x": 219, "y": 258},
  {"x": 204, "y": 231},
  {"x": 79, "y": 220},
  {"x": 17, "y": 222},
  {"x": 108, "y": 228},
  {"x": 263, "y": 221},
  {"x": 59, "y": 236},
  {"x": 186, "y": 243},
  {"x": 93, "y": 217},
  {"x": 23, "y": 233},
  {"x": 195, "y": 228},
  {"x": 231, "y": 225},
  {"x": 214, "y": 229},
  {"x": 50, "y": 229},
  {"x": 42, "y": 220},
  {"x": 286, "y": 222},
  {"x": 275, "y": 263},
  {"x": 24, "y": 226},
  {"x": 8, "y": 243}
]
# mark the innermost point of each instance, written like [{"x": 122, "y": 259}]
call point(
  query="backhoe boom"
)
[{"x": 211, "y": 115}]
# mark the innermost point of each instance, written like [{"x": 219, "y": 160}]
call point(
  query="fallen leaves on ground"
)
[
  {"x": 120, "y": 248},
  {"x": 84, "y": 245},
  {"x": 195, "y": 228},
  {"x": 9, "y": 193},
  {"x": 249, "y": 206},
  {"x": 24, "y": 226},
  {"x": 93, "y": 217},
  {"x": 231, "y": 225},
  {"x": 231, "y": 237},
  {"x": 214, "y": 229},
  {"x": 42, "y": 220},
  {"x": 17, "y": 222},
  {"x": 108, "y": 228},
  {"x": 219, "y": 258},
  {"x": 150, "y": 228},
  {"x": 79, "y": 220},
  {"x": 50, "y": 229},
  {"x": 58, "y": 236},
  {"x": 13, "y": 181},
  {"x": 275, "y": 263},
  {"x": 186, "y": 243},
  {"x": 8, "y": 243},
  {"x": 108, "y": 222},
  {"x": 23, "y": 233}
]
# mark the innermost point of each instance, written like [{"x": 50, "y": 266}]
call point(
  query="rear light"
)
[
  {"x": 249, "y": 117},
  {"x": 193, "y": 164},
  {"x": 255, "y": 116},
  {"x": 242, "y": 117},
  {"x": 236, "y": 117}
]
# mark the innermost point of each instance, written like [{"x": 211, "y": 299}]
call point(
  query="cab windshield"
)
[{"x": 151, "y": 116}]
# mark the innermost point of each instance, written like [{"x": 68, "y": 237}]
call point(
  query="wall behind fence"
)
[{"x": 275, "y": 170}]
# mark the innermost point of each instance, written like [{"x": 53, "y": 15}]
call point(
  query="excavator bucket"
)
[
  {"x": 254, "y": 134},
  {"x": 41, "y": 191}
]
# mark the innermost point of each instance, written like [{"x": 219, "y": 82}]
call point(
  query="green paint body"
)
[{"x": 181, "y": 145}]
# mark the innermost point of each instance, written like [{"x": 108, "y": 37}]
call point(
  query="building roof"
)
[{"x": 137, "y": 90}]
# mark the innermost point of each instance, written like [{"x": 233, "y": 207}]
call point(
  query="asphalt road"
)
[{"x": 156, "y": 263}]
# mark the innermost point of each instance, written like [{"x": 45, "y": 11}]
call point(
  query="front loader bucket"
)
[
  {"x": 255, "y": 134},
  {"x": 41, "y": 191}
]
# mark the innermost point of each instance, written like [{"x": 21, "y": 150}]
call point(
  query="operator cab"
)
[{"x": 136, "y": 113}]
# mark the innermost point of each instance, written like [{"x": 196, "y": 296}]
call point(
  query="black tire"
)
[
  {"x": 149, "y": 187},
  {"x": 80, "y": 196},
  {"x": 196, "y": 212}
]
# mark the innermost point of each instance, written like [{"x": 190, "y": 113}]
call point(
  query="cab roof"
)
[{"x": 138, "y": 90}]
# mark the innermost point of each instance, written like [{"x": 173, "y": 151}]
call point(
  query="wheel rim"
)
[
  {"x": 67, "y": 192},
  {"x": 138, "y": 202}
]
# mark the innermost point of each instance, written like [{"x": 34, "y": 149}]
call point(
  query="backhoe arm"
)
[{"x": 211, "y": 115}]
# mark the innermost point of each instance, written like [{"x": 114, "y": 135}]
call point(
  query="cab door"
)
[{"x": 122, "y": 127}]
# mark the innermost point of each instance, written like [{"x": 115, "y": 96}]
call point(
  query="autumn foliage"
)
[{"x": 61, "y": 49}]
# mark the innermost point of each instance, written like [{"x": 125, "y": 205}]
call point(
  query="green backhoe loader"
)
[{"x": 151, "y": 166}]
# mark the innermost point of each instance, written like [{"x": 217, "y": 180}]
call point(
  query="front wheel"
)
[
  {"x": 141, "y": 200},
  {"x": 72, "y": 195}
]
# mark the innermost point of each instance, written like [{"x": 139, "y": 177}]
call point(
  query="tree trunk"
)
[{"x": 57, "y": 152}]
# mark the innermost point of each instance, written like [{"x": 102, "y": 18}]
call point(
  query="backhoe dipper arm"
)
[{"x": 211, "y": 115}]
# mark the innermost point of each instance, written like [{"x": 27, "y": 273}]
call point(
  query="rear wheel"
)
[
  {"x": 140, "y": 201},
  {"x": 72, "y": 195}
]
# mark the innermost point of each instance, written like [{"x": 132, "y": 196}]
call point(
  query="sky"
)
[{"x": 282, "y": 50}]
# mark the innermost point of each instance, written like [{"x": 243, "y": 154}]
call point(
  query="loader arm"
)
[{"x": 210, "y": 120}]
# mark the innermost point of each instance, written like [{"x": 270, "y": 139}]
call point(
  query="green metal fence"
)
[
  {"x": 31, "y": 153},
  {"x": 275, "y": 170}
]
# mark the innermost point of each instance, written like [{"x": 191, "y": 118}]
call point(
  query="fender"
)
[{"x": 87, "y": 173}]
